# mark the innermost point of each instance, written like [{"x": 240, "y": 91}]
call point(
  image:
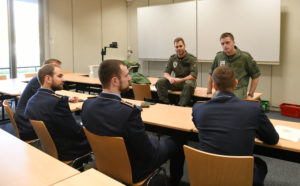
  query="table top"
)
[
  {"x": 90, "y": 177},
  {"x": 282, "y": 144},
  {"x": 169, "y": 116},
  {"x": 12, "y": 87},
  {"x": 23, "y": 164},
  {"x": 180, "y": 118},
  {"x": 75, "y": 106},
  {"x": 81, "y": 78}
]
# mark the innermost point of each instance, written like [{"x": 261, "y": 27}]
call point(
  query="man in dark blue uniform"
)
[
  {"x": 109, "y": 115},
  {"x": 25, "y": 128},
  {"x": 54, "y": 110},
  {"x": 228, "y": 125}
]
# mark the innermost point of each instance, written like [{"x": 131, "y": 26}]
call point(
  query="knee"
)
[
  {"x": 190, "y": 83},
  {"x": 162, "y": 82}
]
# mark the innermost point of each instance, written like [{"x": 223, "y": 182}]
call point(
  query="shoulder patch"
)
[
  {"x": 127, "y": 104},
  {"x": 58, "y": 96}
]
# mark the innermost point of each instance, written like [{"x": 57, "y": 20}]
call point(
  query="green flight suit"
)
[
  {"x": 244, "y": 67},
  {"x": 181, "y": 68}
]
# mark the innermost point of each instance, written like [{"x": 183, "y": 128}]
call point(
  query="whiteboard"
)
[
  {"x": 255, "y": 25},
  {"x": 158, "y": 26}
]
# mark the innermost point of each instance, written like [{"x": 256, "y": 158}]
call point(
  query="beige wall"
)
[{"x": 79, "y": 29}]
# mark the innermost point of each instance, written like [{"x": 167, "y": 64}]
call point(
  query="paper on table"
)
[{"x": 288, "y": 133}]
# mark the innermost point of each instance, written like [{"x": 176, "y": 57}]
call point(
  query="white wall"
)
[{"x": 79, "y": 29}]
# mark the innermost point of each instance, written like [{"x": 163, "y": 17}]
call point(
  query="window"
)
[
  {"x": 19, "y": 37},
  {"x": 26, "y": 25},
  {"x": 4, "y": 47}
]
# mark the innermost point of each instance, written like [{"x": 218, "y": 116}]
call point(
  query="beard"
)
[
  {"x": 56, "y": 87},
  {"x": 123, "y": 89}
]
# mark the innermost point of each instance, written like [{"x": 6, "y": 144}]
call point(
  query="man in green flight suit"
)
[
  {"x": 242, "y": 64},
  {"x": 185, "y": 69}
]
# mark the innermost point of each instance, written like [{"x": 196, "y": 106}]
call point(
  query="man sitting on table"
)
[
  {"x": 228, "y": 125},
  {"x": 109, "y": 115},
  {"x": 54, "y": 110},
  {"x": 184, "y": 66},
  {"x": 25, "y": 128}
]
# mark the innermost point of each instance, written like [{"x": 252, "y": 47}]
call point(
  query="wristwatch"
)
[{"x": 250, "y": 95}]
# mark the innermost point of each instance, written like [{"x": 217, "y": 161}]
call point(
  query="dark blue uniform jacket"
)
[
  {"x": 25, "y": 128},
  {"x": 108, "y": 115},
  {"x": 54, "y": 110},
  {"x": 228, "y": 125}
]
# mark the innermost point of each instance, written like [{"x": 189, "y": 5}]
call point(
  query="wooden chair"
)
[
  {"x": 30, "y": 75},
  {"x": 3, "y": 77},
  {"x": 141, "y": 91},
  {"x": 12, "y": 119},
  {"x": 112, "y": 158},
  {"x": 49, "y": 145},
  {"x": 212, "y": 169}
]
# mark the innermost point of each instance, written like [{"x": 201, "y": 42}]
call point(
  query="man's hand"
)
[
  {"x": 73, "y": 99},
  {"x": 171, "y": 80}
]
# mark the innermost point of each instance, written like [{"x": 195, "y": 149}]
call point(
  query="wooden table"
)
[
  {"x": 200, "y": 92},
  {"x": 23, "y": 164},
  {"x": 75, "y": 106},
  {"x": 90, "y": 177},
  {"x": 81, "y": 78},
  {"x": 178, "y": 118},
  {"x": 12, "y": 87},
  {"x": 168, "y": 116}
]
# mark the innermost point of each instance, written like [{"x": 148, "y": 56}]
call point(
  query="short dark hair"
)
[
  {"x": 109, "y": 69},
  {"x": 227, "y": 34},
  {"x": 52, "y": 61},
  {"x": 176, "y": 40},
  {"x": 224, "y": 78},
  {"x": 47, "y": 69}
]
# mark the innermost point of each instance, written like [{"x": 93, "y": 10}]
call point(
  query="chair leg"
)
[
  {"x": 78, "y": 162},
  {"x": 155, "y": 173}
]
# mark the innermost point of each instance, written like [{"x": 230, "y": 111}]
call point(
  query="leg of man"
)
[
  {"x": 162, "y": 86},
  {"x": 187, "y": 92},
  {"x": 260, "y": 171},
  {"x": 172, "y": 149}
]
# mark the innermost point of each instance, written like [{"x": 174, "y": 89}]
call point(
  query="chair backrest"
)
[
  {"x": 3, "y": 77},
  {"x": 11, "y": 116},
  {"x": 111, "y": 156},
  {"x": 45, "y": 137},
  {"x": 67, "y": 71},
  {"x": 141, "y": 91},
  {"x": 212, "y": 169},
  {"x": 30, "y": 75}
]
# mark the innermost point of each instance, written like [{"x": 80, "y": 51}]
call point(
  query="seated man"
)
[
  {"x": 185, "y": 69},
  {"x": 54, "y": 110},
  {"x": 228, "y": 125},
  {"x": 109, "y": 115},
  {"x": 25, "y": 128}
]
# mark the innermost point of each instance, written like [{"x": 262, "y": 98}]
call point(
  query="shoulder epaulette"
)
[
  {"x": 58, "y": 96},
  {"x": 127, "y": 103},
  {"x": 219, "y": 52},
  {"x": 254, "y": 100}
]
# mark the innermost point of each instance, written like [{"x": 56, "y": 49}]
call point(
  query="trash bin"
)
[{"x": 264, "y": 105}]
